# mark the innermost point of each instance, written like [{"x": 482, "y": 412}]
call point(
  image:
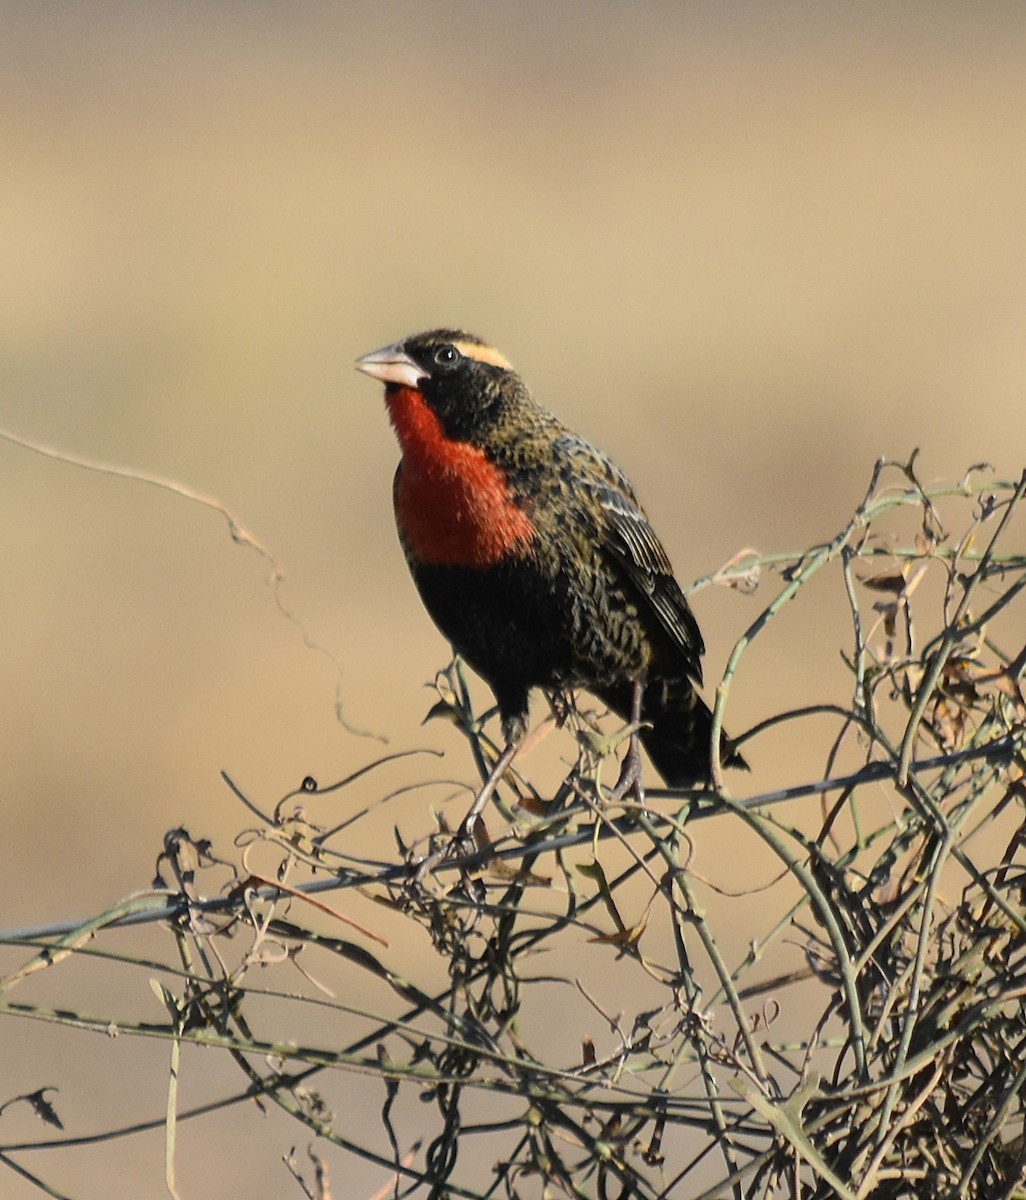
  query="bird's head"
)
[{"x": 465, "y": 383}]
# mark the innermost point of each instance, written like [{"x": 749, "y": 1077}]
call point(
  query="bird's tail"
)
[{"x": 677, "y": 730}]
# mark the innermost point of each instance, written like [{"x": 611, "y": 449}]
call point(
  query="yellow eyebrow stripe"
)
[{"x": 485, "y": 354}]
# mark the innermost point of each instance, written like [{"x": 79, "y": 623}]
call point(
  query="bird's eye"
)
[{"x": 447, "y": 357}]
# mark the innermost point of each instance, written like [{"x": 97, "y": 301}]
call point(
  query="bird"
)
[{"x": 532, "y": 554}]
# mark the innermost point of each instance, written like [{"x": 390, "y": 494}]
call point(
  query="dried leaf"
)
[
  {"x": 949, "y": 722},
  {"x": 588, "y": 1058},
  {"x": 925, "y": 541},
  {"x": 741, "y": 572},
  {"x": 42, "y": 1107},
  {"x": 626, "y": 938},
  {"x": 887, "y": 581},
  {"x": 888, "y": 609},
  {"x": 442, "y": 710}
]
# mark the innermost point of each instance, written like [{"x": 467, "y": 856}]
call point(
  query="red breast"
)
[{"x": 453, "y": 505}]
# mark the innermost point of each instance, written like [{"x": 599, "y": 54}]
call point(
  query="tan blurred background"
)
[{"x": 745, "y": 248}]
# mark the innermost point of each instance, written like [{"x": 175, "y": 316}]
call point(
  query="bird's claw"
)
[
  {"x": 632, "y": 776},
  {"x": 463, "y": 843}
]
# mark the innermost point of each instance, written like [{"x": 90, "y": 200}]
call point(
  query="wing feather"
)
[{"x": 627, "y": 535}]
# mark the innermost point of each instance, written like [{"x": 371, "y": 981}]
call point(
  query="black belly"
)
[{"x": 521, "y": 628}]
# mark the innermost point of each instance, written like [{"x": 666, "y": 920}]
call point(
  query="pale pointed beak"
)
[{"x": 391, "y": 364}]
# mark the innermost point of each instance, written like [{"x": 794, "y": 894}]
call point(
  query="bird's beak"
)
[{"x": 391, "y": 364}]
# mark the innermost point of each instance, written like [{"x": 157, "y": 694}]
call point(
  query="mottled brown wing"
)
[{"x": 630, "y": 539}]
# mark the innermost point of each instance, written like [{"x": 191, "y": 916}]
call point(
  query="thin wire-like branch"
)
[{"x": 888, "y": 1056}]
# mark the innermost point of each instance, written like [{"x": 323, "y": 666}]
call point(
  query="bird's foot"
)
[
  {"x": 631, "y": 781},
  {"x": 471, "y": 837},
  {"x": 465, "y": 842}
]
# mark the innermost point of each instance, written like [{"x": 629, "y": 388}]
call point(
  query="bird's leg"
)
[
  {"x": 466, "y": 829},
  {"x": 631, "y": 776},
  {"x": 562, "y": 705},
  {"x": 465, "y": 833}
]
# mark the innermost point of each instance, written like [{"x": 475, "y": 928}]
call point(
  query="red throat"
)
[{"x": 453, "y": 507}]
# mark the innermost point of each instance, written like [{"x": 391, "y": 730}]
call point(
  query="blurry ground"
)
[{"x": 746, "y": 249}]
